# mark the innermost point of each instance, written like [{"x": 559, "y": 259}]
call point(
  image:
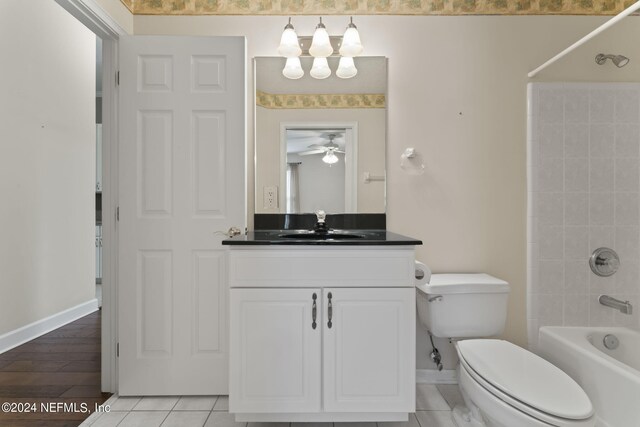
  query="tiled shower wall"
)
[{"x": 583, "y": 175}]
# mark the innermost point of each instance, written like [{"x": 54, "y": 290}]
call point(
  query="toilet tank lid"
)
[{"x": 464, "y": 283}]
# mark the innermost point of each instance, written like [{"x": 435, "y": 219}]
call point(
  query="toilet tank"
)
[{"x": 463, "y": 305}]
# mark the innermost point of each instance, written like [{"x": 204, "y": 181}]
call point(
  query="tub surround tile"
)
[
  {"x": 576, "y": 310},
  {"x": 576, "y": 140},
  {"x": 602, "y": 105},
  {"x": 576, "y": 209},
  {"x": 627, "y": 177},
  {"x": 601, "y": 175},
  {"x": 627, "y": 140},
  {"x": 576, "y": 175}
]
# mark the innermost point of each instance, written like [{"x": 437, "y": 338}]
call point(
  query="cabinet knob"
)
[{"x": 330, "y": 311}]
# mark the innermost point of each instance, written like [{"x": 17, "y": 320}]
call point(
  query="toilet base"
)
[{"x": 463, "y": 417}]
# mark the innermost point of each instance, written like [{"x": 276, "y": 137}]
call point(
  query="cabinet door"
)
[
  {"x": 369, "y": 349},
  {"x": 275, "y": 351}
]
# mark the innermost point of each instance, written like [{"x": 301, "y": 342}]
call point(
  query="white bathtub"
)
[{"x": 611, "y": 378}]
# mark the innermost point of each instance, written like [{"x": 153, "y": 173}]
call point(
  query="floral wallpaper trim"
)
[
  {"x": 377, "y": 7},
  {"x": 333, "y": 100},
  {"x": 128, "y": 4}
]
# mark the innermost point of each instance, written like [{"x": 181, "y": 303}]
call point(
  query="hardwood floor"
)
[{"x": 56, "y": 377}]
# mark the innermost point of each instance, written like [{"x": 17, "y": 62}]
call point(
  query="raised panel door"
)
[
  {"x": 369, "y": 349},
  {"x": 275, "y": 351}
]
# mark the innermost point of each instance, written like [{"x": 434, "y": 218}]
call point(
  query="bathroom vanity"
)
[{"x": 322, "y": 329}]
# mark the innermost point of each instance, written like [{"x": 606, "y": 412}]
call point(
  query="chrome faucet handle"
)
[{"x": 321, "y": 215}]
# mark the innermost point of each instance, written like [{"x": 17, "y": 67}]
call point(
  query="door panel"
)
[
  {"x": 181, "y": 174},
  {"x": 275, "y": 351},
  {"x": 369, "y": 350}
]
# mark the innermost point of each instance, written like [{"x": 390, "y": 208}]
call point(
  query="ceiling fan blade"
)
[
  {"x": 339, "y": 151},
  {"x": 318, "y": 147},
  {"x": 306, "y": 153}
]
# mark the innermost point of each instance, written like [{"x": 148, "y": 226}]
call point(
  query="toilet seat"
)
[{"x": 526, "y": 382}]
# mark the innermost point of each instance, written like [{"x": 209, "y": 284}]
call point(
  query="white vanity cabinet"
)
[{"x": 322, "y": 333}]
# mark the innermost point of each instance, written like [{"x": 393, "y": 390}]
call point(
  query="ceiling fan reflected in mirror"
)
[{"x": 329, "y": 149}]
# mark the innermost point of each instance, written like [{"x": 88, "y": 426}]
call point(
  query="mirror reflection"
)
[{"x": 320, "y": 144}]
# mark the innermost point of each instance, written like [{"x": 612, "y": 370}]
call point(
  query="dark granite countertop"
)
[{"x": 334, "y": 238}]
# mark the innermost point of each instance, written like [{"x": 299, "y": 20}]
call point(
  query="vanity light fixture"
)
[
  {"x": 291, "y": 47},
  {"x": 351, "y": 45},
  {"x": 321, "y": 45}
]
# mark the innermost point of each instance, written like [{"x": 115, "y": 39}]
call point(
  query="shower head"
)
[{"x": 619, "y": 60}]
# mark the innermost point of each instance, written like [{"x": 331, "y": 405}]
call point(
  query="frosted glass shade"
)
[
  {"x": 330, "y": 158},
  {"x": 320, "y": 45},
  {"x": 320, "y": 69},
  {"x": 293, "y": 69},
  {"x": 346, "y": 68},
  {"x": 289, "y": 45},
  {"x": 351, "y": 45}
]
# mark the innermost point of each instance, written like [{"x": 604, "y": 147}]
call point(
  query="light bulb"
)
[
  {"x": 346, "y": 68},
  {"x": 292, "y": 69},
  {"x": 289, "y": 45},
  {"x": 330, "y": 157},
  {"x": 320, "y": 44},
  {"x": 320, "y": 68},
  {"x": 351, "y": 45}
]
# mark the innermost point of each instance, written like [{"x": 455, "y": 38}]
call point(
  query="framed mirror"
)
[{"x": 320, "y": 144}]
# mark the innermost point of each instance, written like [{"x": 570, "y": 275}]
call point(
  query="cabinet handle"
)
[
  {"x": 330, "y": 311},
  {"x": 314, "y": 311}
]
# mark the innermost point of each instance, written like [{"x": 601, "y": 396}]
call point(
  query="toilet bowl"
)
[{"x": 503, "y": 385}]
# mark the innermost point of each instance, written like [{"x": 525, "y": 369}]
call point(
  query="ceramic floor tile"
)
[
  {"x": 412, "y": 422},
  {"x": 269, "y": 425},
  {"x": 144, "y": 419},
  {"x": 156, "y": 403},
  {"x": 195, "y": 403},
  {"x": 428, "y": 398},
  {"x": 355, "y": 424},
  {"x": 435, "y": 419},
  {"x": 125, "y": 403},
  {"x": 222, "y": 404},
  {"x": 451, "y": 393},
  {"x": 311, "y": 424},
  {"x": 108, "y": 419},
  {"x": 223, "y": 419},
  {"x": 186, "y": 419}
]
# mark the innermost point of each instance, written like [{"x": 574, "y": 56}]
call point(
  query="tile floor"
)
[{"x": 433, "y": 409}]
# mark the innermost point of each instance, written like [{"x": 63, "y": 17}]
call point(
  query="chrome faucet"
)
[
  {"x": 625, "y": 307},
  {"x": 320, "y": 226}
]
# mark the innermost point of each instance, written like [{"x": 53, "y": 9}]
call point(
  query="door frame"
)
[{"x": 97, "y": 20}]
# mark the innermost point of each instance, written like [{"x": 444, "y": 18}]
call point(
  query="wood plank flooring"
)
[{"x": 61, "y": 367}]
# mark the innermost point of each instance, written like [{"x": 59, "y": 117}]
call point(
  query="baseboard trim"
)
[
  {"x": 431, "y": 376},
  {"x": 34, "y": 330}
]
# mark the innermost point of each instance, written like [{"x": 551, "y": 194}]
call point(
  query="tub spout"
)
[{"x": 625, "y": 307}]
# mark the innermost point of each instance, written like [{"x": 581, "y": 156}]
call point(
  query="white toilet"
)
[{"x": 503, "y": 385}]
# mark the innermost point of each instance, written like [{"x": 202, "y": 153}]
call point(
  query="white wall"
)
[
  {"x": 457, "y": 93},
  {"x": 321, "y": 185},
  {"x": 584, "y": 187},
  {"x": 47, "y": 162}
]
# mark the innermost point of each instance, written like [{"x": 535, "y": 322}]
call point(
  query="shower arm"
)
[{"x": 628, "y": 11}]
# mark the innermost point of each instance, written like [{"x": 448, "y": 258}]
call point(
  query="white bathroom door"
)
[{"x": 181, "y": 175}]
